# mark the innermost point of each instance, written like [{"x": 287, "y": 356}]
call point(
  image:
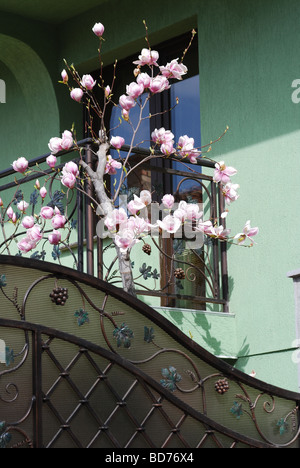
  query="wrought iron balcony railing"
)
[{"x": 174, "y": 275}]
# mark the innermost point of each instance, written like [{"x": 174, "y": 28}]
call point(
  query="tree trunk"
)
[
  {"x": 126, "y": 271},
  {"x": 107, "y": 208}
]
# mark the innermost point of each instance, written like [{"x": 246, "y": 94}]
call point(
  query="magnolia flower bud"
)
[
  {"x": 10, "y": 212},
  {"x": 68, "y": 180},
  {"x": 22, "y": 206},
  {"x": 98, "y": 29},
  {"x": 54, "y": 238},
  {"x": 25, "y": 245},
  {"x": 107, "y": 91},
  {"x": 168, "y": 200},
  {"x": 43, "y": 192},
  {"x": 64, "y": 76},
  {"x": 55, "y": 145},
  {"x": 136, "y": 71},
  {"x": 88, "y": 82},
  {"x": 20, "y": 165},
  {"x": 117, "y": 142},
  {"x": 28, "y": 222},
  {"x": 51, "y": 160},
  {"x": 58, "y": 221},
  {"x": 76, "y": 94},
  {"x": 47, "y": 212}
]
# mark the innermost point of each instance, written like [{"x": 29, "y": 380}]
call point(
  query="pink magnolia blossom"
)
[
  {"x": 54, "y": 238},
  {"x": 26, "y": 245},
  {"x": 186, "y": 148},
  {"x": 170, "y": 224},
  {"x": 58, "y": 221},
  {"x": 22, "y": 206},
  {"x": 58, "y": 144},
  {"x": 134, "y": 89},
  {"x": 107, "y": 91},
  {"x": 43, "y": 192},
  {"x": 193, "y": 156},
  {"x": 181, "y": 211},
  {"x": 116, "y": 219},
  {"x": 167, "y": 148},
  {"x": 72, "y": 168},
  {"x": 145, "y": 197},
  {"x": 193, "y": 211},
  {"x": 223, "y": 173},
  {"x": 20, "y": 165},
  {"x": 161, "y": 136},
  {"x": 247, "y": 233},
  {"x": 68, "y": 180},
  {"x": 144, "y": 79},
  {"x": 135, "y": 205},
  {"x": 180, "y": 214},
  {"x": 76, "y": 94},
  {"x": 218, "y": 232},
  {"x": 88, "y": 82},
  {"x": 112, "y": 165},
  {"x": 37, "y": 184},
  {"x": 28, "y": 222},
  {"x": 34, "y": 234},
  {"x": 138, "y": 225},
  {"x": 125, "y": 239},
  {"x": 117, "y": 142},
  {"x": 126, "y": 102},
  {"x": 47, "y": 212},
  {"x": 1, "y": 202},
  {"x": 51, "y": 160},
  {"x": 67, "y": 140},
  {"x": 10, "y": 212},
  {"x": 174, "y": 70},
  {"x": 69, "y": 173},
  {"x": 64, "y": 76},
  {"x": 168, "y": 200},
  {"x": 98, "y": 29},
  {"x": 147, "y": 57},
  {"x": 206, "y": 227},
  {"x": 55, "y": 145},
  {"x": 159, "y": 84},
  {"x": 230, "y": 192}
]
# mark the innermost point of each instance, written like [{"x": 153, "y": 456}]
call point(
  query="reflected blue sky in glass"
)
[
  {"x": 185, "y": 119},
  {"x": 124, "y": 129}
]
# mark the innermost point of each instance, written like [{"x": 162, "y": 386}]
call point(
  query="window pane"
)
[
  {"x": 185, "y": 118},
  {"x": 125, "y": 130}
]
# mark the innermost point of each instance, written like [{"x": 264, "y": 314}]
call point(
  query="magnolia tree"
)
[{"x": 128, "y": 225}]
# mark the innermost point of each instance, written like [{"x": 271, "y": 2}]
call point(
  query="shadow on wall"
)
[
  {"x": 212, "y": 337},
  {"x": 30, "y": 116}
]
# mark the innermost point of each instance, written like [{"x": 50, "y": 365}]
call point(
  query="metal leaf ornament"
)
[
  {"x": 123, "y": 335},
  {"x": 170, "y": 378}
]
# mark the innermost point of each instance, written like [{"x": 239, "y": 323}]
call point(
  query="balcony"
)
[
  {"x": 146, "y": 384},
  {"x": 166, "y": 272}
]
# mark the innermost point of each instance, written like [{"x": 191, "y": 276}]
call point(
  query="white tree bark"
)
[{"x": 107, "y": 207}]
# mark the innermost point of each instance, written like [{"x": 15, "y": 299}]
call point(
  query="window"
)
[
  {"x": 163, "y": 177},
  {"x": 181, "y": 119}
]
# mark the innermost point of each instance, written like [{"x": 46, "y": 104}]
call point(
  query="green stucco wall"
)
[{"x": 247, "y": 62}]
